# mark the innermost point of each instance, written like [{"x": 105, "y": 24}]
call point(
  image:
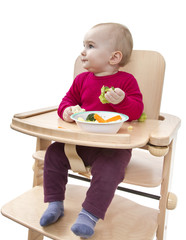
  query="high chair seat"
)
[
  {"x": 144, "y": 169},
  {"x": 124, "y": 219}
]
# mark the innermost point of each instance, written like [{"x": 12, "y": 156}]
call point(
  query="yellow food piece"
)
[
  {"x": 130, "y": 128},
  {"x": 81, "y": 119}
]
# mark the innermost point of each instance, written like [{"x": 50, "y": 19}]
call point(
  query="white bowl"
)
[{"x": 95, "y": 127}]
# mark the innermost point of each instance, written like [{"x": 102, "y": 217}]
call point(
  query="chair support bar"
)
[{"x": 148, "y": 195}]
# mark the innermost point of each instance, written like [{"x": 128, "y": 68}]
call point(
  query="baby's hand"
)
[
  {"x": 67, "y": 113},
  {"x": 115, "y": 96}
]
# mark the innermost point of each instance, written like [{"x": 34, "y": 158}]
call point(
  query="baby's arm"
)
[{"x": 115, "y": 96}]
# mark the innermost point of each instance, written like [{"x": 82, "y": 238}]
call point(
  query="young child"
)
[{"x": 107, "y": 47}]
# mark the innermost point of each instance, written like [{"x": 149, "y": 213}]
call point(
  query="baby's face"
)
[{"x": 98, "y": 48}]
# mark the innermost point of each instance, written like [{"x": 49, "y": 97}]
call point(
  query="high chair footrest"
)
[{"x": 124, "y": 219}]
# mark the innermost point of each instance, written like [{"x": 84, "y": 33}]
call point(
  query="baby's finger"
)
[
  {"x": 113, "y": 95},
  {"x": 119, "y": 92},
  {"x": 109, "y": 97}
]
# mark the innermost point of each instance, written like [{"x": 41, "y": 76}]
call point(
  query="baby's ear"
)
[{"x": 116, "y": 57}]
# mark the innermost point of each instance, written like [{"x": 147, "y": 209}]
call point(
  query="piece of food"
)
[
  {"x": 104, "y": 90},
  {"x": 99, "y": 118},
  {"x": 115, "y": 118},
  {"x": 142, "y": 118},
  {"x": 81, "y": 119},
  {"x": 77, "y": 109},
  {"x": 130, "y": 128},
  {"x": 90, "y": 117}
]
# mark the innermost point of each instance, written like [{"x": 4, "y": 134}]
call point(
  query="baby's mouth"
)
[{"x": 83, "y": 60}]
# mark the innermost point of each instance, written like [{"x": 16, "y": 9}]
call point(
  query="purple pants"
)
[{"x": 108, "y": 169}]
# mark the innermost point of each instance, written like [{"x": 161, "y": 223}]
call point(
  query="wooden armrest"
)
[
  {"x": 35, "y": 112},
  {"x": 166, "y": 131}
]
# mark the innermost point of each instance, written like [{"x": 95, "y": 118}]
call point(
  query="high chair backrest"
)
[{"x": 148, "y": 67}]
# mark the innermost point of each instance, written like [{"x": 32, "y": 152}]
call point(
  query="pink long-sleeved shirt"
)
[{"x": 86, "y": 89}]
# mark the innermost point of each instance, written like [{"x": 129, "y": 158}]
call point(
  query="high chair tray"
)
[
  {"x": 124, "y": 219},
  {"x": 46, "y": 124}
]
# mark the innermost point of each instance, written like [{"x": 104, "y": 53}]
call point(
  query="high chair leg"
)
[
  {"x": 163, "y": 204},
  {"x": 38, "y": 172},
  {"x": 38, "y": 165},
  {"x": 41, "y": 144},
  {"x": 33, "y": 235}
]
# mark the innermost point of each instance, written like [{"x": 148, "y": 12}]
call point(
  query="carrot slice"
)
[
  {"x": 99, "y": 118},
  {"x": 115, "y": 118}
]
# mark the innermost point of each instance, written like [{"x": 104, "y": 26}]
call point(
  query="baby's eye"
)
[{"x": 90, "y": 46}]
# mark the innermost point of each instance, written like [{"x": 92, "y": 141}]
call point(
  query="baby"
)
[{"x": 107, "y": 47}]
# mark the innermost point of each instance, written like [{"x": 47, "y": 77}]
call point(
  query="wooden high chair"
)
[{"x": 153, "y": 143}]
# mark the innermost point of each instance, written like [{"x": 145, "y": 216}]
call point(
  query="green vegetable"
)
[
  {"x": 90, "y": 117},
  {"x": 104, "y": 90},
  {"x": 142, "y": 118}
]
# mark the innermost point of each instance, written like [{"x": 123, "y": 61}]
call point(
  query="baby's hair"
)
[{"x": 124, "y": 41}]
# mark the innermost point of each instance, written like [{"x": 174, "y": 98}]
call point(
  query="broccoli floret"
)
[{"x": 90, "y": 117}]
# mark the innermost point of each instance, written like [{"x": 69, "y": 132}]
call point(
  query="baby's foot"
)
[
  {"x": 84, "y": 225},
  {"x": 54, "y": 211}
]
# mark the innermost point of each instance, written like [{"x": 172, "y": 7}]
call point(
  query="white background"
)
[{"x": 39, "y": 41}]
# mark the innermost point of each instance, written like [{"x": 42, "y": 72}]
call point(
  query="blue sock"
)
[
  {"x": 54, "y": 211},
  {"x": 84, "y": 225}
]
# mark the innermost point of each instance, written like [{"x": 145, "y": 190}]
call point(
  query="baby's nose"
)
[{"x": 83, "y": 53}]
